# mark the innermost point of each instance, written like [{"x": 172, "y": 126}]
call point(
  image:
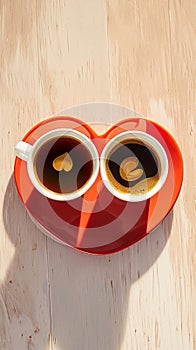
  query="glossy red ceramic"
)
[{"x": 98, "y": 222}]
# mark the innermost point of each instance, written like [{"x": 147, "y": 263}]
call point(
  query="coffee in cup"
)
[
  {"x": 134, "y": 166},
  {"x": 62, "y": 164}
]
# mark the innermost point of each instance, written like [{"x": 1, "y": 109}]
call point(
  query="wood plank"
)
[{"x": 59, "y": 54}]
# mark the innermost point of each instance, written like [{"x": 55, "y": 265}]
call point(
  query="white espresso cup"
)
[
  {"x": 30, "y": 154},
  {"x": 115, "y": 160}
]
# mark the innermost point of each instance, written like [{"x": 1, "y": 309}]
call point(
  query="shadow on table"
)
[{"x": 88, "y": 295}]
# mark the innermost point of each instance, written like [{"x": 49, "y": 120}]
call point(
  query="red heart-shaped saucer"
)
[{"x": 98, "y": 222}]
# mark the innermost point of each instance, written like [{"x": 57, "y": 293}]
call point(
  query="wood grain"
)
[{"x": 57, "y": 54}]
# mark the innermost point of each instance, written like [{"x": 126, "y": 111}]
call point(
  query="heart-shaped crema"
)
[
  {"x": 128, "y": 169},
  {"x": 63, "y": 162}
]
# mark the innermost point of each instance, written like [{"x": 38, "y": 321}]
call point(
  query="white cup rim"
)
[
  {"x": 50, "y": 135},
  {"x": 151, "y": 141}
]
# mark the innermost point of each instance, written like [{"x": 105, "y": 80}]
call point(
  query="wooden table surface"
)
[{"x": 57, "y": 54}]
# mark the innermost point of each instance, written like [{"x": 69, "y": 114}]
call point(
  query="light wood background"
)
[{"x": 56, "y": 54}]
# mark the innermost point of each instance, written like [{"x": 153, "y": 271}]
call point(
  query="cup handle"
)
[{"x": 22, "y": 150}]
